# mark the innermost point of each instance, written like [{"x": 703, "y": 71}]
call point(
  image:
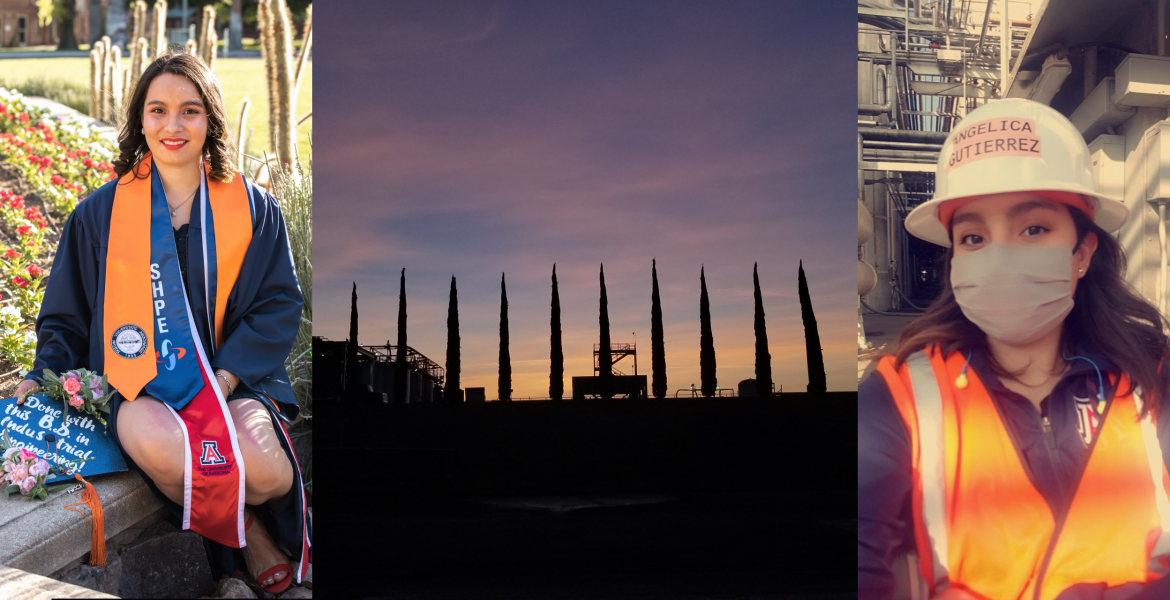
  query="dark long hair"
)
[
  {"x": 217, "y": 146},
  {"x": 1108, "y": 316}
]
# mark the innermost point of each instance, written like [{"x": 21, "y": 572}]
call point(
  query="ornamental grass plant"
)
[{"x": 293, "y": 189}]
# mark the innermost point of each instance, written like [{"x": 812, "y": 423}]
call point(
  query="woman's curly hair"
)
[{"x": 216, "y": 148}]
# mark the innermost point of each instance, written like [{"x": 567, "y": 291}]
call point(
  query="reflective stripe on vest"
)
[
  {"x": 1161, "y": 548},
  {"x": 980, "y": 518},
  {"x": 931, "y": 462}
]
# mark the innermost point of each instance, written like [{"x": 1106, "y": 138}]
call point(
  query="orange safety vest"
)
[{"x": 981, "y": 521}]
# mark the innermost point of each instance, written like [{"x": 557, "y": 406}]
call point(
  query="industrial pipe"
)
[
  {"x": 1005, "y": 51},
  {"x": 904, "y": 155},
  {"x": 886, "y": 312},
  {"x": 891, "y": 98},
  {"x": 865, "y": 228},
  {"x": 904, "y": 135},
  {"x": 903, "y": 145},
  {"x": 983, "y": 31},
  {"x": 1015, "y": 23}
]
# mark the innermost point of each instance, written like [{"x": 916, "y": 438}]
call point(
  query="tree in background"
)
[
  {"x": 351, "y": 370},
  {"x": 812, "y": 339},
  {"x": 62, "y": 12},
  {"x": 706, "y": 340},
  {"x": 604, "y": 355},
  {"x": 400, "y": 370},
  {"x": 451, "y": 391},
  {"x": 657, "y": 342},
  {"x": 236, "y": 26},
  {"x": 763, "y": 358},
  {"x": 556, "y": 376},
  {"x": 505, "y": 360}
]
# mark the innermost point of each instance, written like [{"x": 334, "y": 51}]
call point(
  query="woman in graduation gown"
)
[{"x": 176, "y": 280}]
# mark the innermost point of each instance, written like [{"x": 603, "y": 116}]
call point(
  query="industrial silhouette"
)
[{"x": 400, "y": 374}]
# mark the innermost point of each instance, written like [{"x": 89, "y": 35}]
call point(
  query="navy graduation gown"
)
[
  {"x": 260, "y": 325},
  {"x": 263, "y": 311}
]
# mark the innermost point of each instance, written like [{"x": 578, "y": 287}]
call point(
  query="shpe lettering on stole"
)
[{"x": 82, "y": 445}]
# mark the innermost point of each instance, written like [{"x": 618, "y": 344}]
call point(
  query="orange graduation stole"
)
[{"x": 213, "y": 477}]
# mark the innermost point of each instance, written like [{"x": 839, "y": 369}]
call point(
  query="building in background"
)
[
  {"x": 19, "y": 26},
  {"x": 375, "y": 372}
]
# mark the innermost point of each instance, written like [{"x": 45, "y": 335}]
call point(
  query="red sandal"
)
[{"x": 279, "y": 586}]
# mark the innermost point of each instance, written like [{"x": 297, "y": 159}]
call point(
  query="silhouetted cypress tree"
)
[
  {"x": 556, "y": 376},
  {"x": 812, "y": 339},
  {"x": 706, "y": 340},
  {"x": 351, "y": 370},
  {"x": 604, "y": 356},
  {"x": 400, "y": 370},
  {"x": 505, "y": 360},
  {"x": 657, "y": 343},
  {"x": 451, "y": 391},
  {"x": 763, "y": 358}
]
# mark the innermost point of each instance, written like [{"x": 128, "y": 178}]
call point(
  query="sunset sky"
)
[{"x": 477, "y": 138}]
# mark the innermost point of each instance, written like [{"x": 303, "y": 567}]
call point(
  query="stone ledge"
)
[
  {"x": 42, "y": 537},
  {"x": 21, "y": 585}
]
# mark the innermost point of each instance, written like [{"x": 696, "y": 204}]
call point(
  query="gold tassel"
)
[{"x": 97, "y": 547}]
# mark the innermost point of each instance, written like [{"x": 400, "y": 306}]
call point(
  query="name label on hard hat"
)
[{"x": 1005, "y": 136}]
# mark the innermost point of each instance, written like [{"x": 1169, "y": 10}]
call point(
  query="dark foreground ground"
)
[{"x": 693, "y": 499}]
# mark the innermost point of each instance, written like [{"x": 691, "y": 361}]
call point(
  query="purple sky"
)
[{"x": 474, "y": 138}]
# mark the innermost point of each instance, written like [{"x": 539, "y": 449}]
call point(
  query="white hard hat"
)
[{"x": 1013, "y": 145}]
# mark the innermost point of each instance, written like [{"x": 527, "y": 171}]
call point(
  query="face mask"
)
[{"x": 1015, "y": 294}]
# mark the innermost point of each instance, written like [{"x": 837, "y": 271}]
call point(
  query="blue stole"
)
[{"x": 178, "y": 378}]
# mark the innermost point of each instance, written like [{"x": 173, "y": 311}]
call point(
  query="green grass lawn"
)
[{"x": 67, "y": 81}]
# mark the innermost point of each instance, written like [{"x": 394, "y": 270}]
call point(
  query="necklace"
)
[{"x": 175, "y": 209}]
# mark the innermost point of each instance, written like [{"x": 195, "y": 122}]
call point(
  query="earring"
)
[
  {"x": 1081, "y": 271},
  {"x": 143, "y": 130}
]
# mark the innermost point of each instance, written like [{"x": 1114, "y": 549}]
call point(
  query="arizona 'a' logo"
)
[{"x": 211, "y": 455}]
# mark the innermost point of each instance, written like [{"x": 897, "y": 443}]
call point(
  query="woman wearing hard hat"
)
[{"x": 1012, "y": 440}]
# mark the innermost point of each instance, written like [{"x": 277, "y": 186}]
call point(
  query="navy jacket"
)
[
  {"x": 260, "y": 323},
  {"x": 1053, "y": 462}
]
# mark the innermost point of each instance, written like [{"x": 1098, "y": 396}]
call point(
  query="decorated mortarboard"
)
[{"x": 70, "y": 442}]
